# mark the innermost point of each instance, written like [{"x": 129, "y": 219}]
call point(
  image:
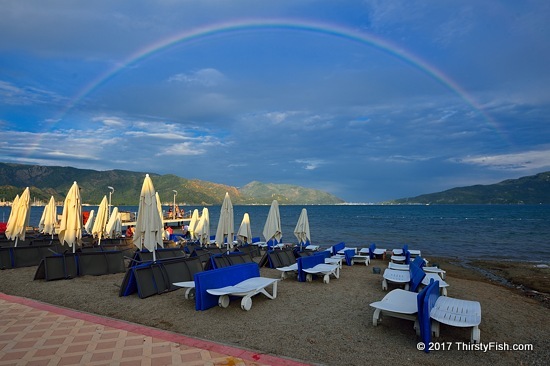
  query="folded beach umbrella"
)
[
  {"x": 88, "y": 226},
  {"x": 226, "y": 223},
  {"x": 19, "y": 217},
  {"x": 149, "y": 222},
  {"x": 159, "y": 208},
  {"x": 272, "y": 227},
  {"x": 49, "y": 218},
  {"x": 100, "y": 222},
  {"x": 245, "y": 230},
  {"x": 114, "y": 225},
  {"x": 193, "y": 224},
  {"x": 203, "y": 227},
  {"x": 70, "y": 228},
  {"x": 301, "y": 231}
]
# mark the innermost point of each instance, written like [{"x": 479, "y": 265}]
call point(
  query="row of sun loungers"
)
[{"x": 430, "y": 306}]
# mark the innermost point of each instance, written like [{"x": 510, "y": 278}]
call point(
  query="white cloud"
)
[
  {"x": 207, "y": 77},
  {"x": 310, "y": 164},
  {"x": 527, "y": 160}
]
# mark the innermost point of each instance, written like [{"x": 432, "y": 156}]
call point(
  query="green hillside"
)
[
  {"x": 533, "y": 189},
  {"x": 45, "y": 181}
]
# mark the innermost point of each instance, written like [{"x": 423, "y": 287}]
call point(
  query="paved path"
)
[{"x": 35, "y": 333}]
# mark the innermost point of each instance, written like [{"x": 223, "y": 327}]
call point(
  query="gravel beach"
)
[{"x": 328, "y": 324}]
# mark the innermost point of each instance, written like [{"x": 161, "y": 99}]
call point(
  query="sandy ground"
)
[{"x": 329, "y": 324}]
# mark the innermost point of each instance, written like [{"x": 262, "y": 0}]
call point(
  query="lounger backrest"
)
[
  {"x": 308, "y": 262},
  {"x": 220, "y": 277},
  {"x": 287, "y": 257},
  {"x": 426, "y": 301},
  {"x": 372, "y": 247},
  {"x": 274, "y": 259},
  {"x": 349, "y": 254},
  {"x": 338, "y": 247},
  {"x": 418, "y": 261},
  {"x": 417, "y": 275}
]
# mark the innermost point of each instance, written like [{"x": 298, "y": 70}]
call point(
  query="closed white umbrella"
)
[
  {"x": 114, "y": 225},
  {"x": 49, "y": 218},
  {"x": 302, "y": 228},
  {"x": 149, "y": 222},
  {"x": 193, "y": 224},
  {"x": 70, "y": 228},
  {"x": 100, "y": 222},
  {"x": 203, "y": 227},
  {"x": 245, "y": 230},
  {"x": 226, "y": 223},
  {"x": 19, "y": 217},
  {"x": 88, "y": 226},
  {"x": 272, "y": 227}
]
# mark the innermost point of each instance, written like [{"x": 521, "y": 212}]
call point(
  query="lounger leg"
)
[
  {"x": 435, "y": 328},
  {"x": 407, "y": 287},
  {"x": 223, "y": 301},
  {"x": 417, "y": 327},
  {"x": 376, "y": 317},
  {"x": 326, "y": 278},
  {"x": 444, "y": 291},
  {"x": 384, "y": 285},
  {"x": 337, "y": 272},
  {"x": 283, "y": 275},
  {"x": 190, "y": 293},
  {"x": 246, "y": 303},
  {"x": 309, "y": 277},
  {"x": 476, "y": 335}
]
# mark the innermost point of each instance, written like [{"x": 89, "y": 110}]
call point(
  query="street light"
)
[
  {"x": 110, "y": 194},
  {"x": 174, "y": 207}
]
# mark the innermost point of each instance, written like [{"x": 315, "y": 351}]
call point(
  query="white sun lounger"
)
[
  {"x": 405, "y": 267},
  {"x": 395, "y": 276},
  {"x": 397, "y": 303},
  {"x": 245, "y": 289},
  {"x": 451, "y": 311},
  {"x": 434, "y": 276},
  {"x": 325, "y": 269},
  {"x": 287, "y": 269}
]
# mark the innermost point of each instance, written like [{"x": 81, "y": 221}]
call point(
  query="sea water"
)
[{"x": 512, "y": 232}]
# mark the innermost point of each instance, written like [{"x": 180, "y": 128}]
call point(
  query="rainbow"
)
[{"x": 283, "y": 24}]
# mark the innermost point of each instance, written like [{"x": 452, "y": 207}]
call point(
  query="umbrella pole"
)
[{"x": 16, "y": 239}]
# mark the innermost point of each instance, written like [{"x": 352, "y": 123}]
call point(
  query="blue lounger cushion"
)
[{"x": 216, "y": 278}]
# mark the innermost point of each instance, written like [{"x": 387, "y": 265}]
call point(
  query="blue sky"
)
[{"x": 368, "y": 100}]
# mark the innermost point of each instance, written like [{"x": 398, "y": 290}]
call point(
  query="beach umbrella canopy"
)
[
  {"x": 245, "y": 230},
  {"x": 272, "y": 227},
  {"x": 49, "y": 218},
  {"x": 226, "y": 223},
  {"x": 19, "y": 217},
  {"x": 114, "y": 225},
  {"x": 159, "y": 206},
  {"x": 193, "y": 224},
  {"x": 100, "y": 222},
  {"x": 88, "y": 226},
  {"x": 13, "y": 210},
  {"x": 301, "y": 231},
  {"x": 203, "y": 227},
  {"x": 149, "y": 228},
  {"x": 70, "y": 228}
]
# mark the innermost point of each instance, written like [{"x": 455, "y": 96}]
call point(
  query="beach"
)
[{"x": 329, "y": 324}]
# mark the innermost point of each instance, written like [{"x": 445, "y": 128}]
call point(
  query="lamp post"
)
[
  {"x": 174, "y": 207},
  {"x": 110, "y": 194}
]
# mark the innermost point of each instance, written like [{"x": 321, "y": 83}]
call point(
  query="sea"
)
[{"x": 494, "y": 232}]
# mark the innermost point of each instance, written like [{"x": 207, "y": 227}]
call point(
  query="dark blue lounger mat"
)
[
  {"x": 425, "y": 305},
  {"x": 220, "y": 277},
  {"x": 151, "y": 278},
  {"x": 69, "y": 265},
  {"x": 164, "y": 253},
  {"x": 227, "y": 259}
]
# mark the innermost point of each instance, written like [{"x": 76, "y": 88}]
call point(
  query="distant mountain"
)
[
  {"x": 45, "y": 181},
  {"x": 285, "y": 193},
  {"x": 533, "y": 189}
]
